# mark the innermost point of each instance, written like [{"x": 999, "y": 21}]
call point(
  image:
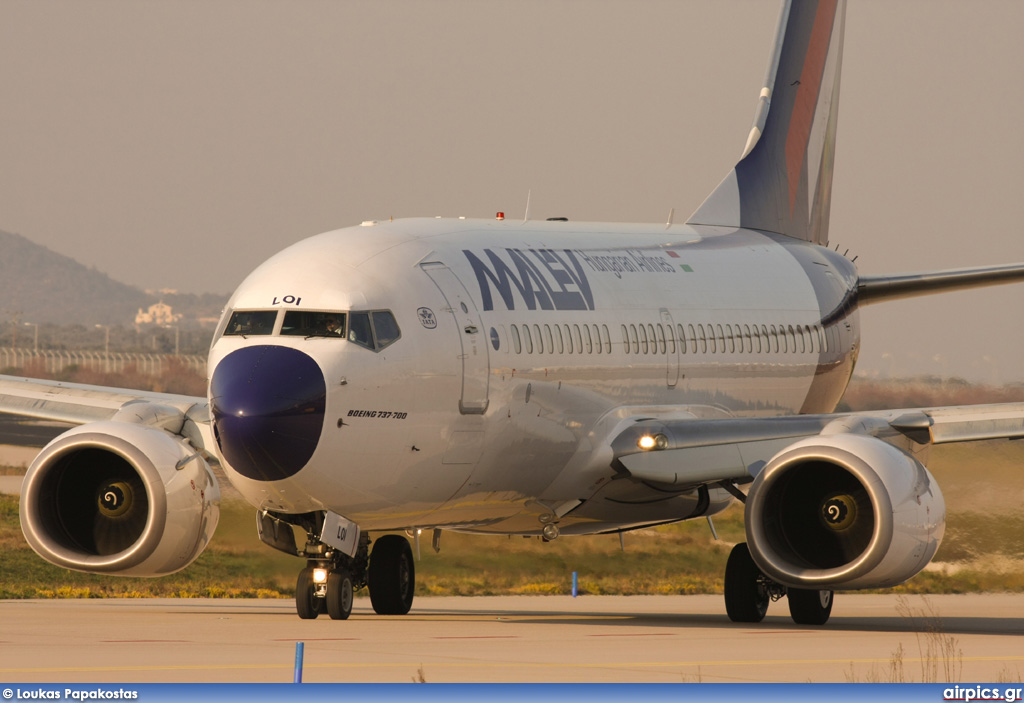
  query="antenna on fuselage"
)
[
  {"x": 671, "y": 214},
  {"x": 526, "y": 217}
]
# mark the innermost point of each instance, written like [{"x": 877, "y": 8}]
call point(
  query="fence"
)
[{"x": 55, "y": 361}]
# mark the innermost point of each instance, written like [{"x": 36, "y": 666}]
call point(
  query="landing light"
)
[
  {"x": 649, "y": 442},
  {"x": 319, "y": 575}
]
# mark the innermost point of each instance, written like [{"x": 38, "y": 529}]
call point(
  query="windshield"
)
[
  {"x": 373, "y": 329},
  {"x": 304, "y": 323},
  {"x": 251, "y": 322}
]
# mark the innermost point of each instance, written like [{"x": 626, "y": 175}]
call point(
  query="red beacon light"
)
[{"x": 500, "y": 216}]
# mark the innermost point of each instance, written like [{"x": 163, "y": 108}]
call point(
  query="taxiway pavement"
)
[{"x": 517, "y": 638}]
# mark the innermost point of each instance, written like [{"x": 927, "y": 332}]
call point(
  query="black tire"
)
[
  {"x": 391, "y": 576},
  {"x": 746, "y": 599},
  {"x": 810, "y": 607},
  {"x": 339, "y": 594},
  {"x": 307, "y": 605}
]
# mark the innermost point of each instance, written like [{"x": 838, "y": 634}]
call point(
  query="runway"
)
[{"x": 518, "y": 638}]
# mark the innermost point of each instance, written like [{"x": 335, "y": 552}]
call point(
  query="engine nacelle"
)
[
  {"x": 843, "y": 511},
  {"x": 119, "y": 498}
]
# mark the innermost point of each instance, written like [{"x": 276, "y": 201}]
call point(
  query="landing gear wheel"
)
[
  {"x": 306, "y": 604},
  {"x": 391, "y": 576},
  {"x": 746, "y": 596},
  {"x": 810, "y": 607},
  {"x": 339, "y": 594}
]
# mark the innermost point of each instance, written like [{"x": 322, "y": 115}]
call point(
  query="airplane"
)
[{"x": 543, "y": 378}]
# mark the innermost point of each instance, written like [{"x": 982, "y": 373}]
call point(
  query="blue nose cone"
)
[{"x": 268, "y": 410}]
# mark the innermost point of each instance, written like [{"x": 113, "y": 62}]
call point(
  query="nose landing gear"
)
[{"x": 328, "y": 585}]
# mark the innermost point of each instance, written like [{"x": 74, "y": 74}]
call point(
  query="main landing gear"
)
[
  {"x": 748, "y": 593},
  {"x": 328, "y": 584}
]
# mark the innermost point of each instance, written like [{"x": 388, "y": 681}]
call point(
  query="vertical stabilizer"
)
[{"x": 783, "y": 182}]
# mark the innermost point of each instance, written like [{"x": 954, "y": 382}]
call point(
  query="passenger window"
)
[
  {"x": 579, "y": 339},
  {"x": 636, "y": 340},
  {"x": 721, "y": 339},
  {"x": 682, "y": 338},
  {"x": 731, "y": 338},
  {"x": 540, "y": 340},
  {"x": 693, "y": 339},
  {"x": 252, "y": 322},
  {"x": 625, "y": 339},
  {"x": 359, "y": 329},
  {"x": 517, "y": 341},
  {"x": 671, "y": 338},
  {"x": 548, "y": 340},
  {"x": 660, "y": 331},
  {"x": 597, "y": 339},
  {"x": 568, "y": 340},
  {"x": 775, "y": 339},
  {"x": 528, "y": 339},
  {"x": 558, "y": 340},
  {"x": 704, "y": 340},
  {"x": 385, "y": 328},
  {"x": 643, "y": 339},
  {"x": 607, "y": 339}
]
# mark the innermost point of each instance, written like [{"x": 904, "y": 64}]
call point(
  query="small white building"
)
[{"x": 157, "y": 314}]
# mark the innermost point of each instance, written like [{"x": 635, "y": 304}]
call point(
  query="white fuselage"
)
[{"x": 522, "y": 345}]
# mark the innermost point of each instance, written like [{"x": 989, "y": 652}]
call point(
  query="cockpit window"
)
[
  {"x": 359, "y": 329},
  {"x": 251, "y": 322},
  {"x": 373, "y": 330},
  {"x": 305, "y": 323},
  {"x": 385, "y": 328}
]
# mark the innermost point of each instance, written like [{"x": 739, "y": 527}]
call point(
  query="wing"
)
[
  {"x": 838, "y": 501},
  {"x": 77, "y": 404},
  {"x": 690, "y": 452}
]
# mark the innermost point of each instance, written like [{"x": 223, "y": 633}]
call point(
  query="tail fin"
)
[{"x": 783, "y": 182}]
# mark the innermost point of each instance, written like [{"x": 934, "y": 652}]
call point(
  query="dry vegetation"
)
[{"x": 924, "y": 392}]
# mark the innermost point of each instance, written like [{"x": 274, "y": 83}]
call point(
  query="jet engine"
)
[
  {"x": 843, "y": 511},
  {"x": 119, "y": 498}
]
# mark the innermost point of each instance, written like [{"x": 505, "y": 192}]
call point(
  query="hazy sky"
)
[{"x": 178, "y": 144}]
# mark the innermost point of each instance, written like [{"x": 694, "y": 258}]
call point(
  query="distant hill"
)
[{"x": 42, "y": 286}]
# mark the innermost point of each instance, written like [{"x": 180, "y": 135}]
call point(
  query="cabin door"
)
[{"x": 472, "y": 346}]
